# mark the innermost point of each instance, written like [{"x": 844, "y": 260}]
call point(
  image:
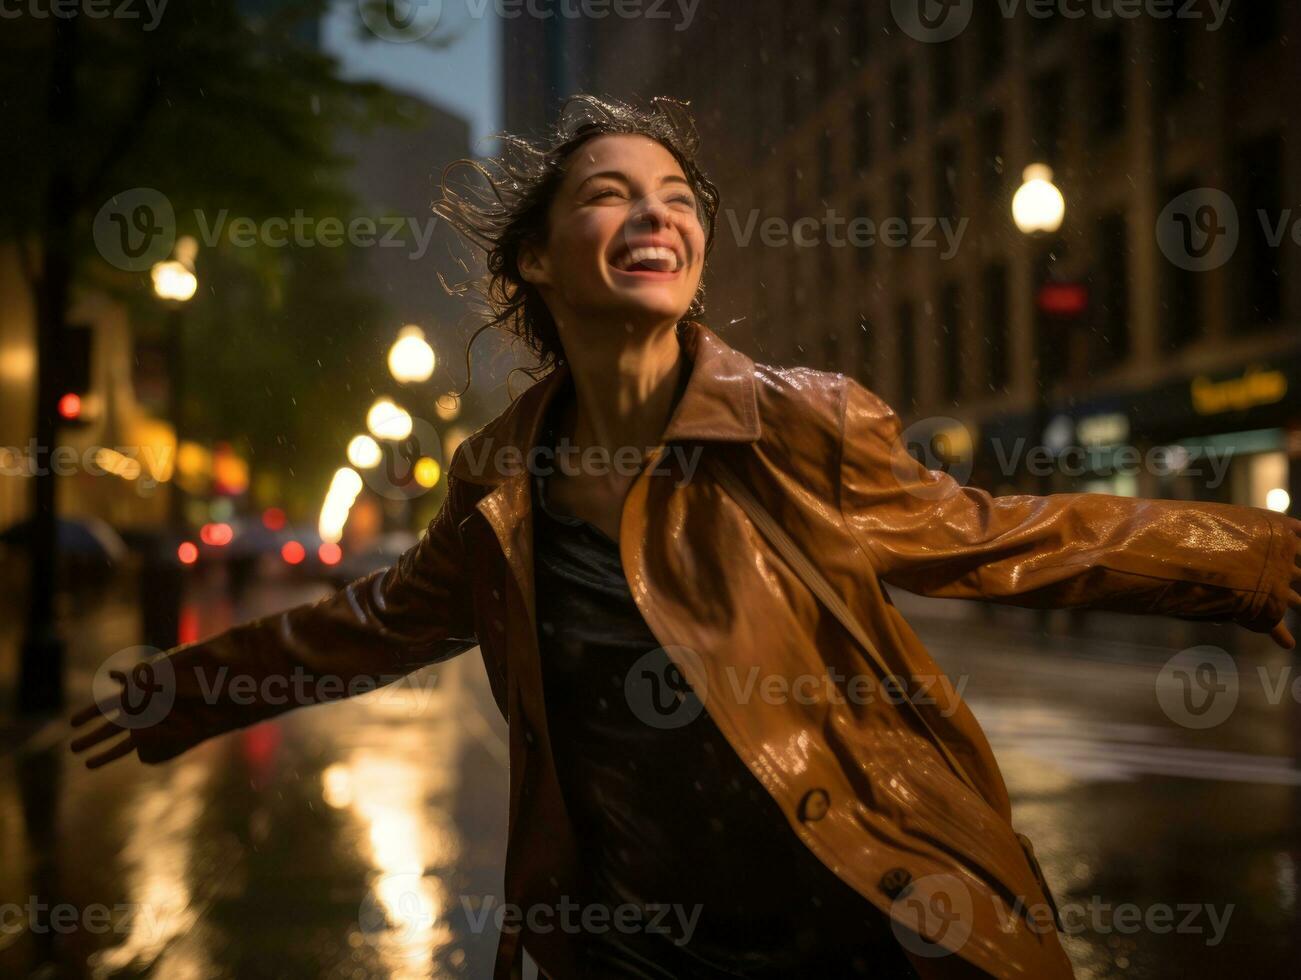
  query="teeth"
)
[{"x": 665, "y": 258}]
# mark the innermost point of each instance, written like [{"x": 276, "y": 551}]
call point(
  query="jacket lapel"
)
[{"x": 719, "y": 403}]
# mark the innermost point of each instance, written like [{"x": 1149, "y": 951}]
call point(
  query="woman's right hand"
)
[{"x": 99, "y": 734}]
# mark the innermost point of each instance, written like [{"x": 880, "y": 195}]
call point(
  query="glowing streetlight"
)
[
  {"x": 364, "y": 452},
  {"x": 411, "y": 359},
  {"x": 339, "y": 498},
  {"x": 1038, "y": 206},
  {"x": 174, "y": 279},
  {"x": 385, "y": 420}
]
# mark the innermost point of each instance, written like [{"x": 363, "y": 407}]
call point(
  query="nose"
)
[{"x": 652, "y": 210}]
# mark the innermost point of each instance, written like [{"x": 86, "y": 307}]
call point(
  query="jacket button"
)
[
  {"x": 896, "y": 881},
  {"x": 814, "y": 805}
]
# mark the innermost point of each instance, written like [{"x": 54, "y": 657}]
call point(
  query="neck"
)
[{"x": 626, "y": 385}]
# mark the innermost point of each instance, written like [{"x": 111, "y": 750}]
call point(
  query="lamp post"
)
[
  {"x": 175, "y": 285},
  {"x": 161, "y": 582},
  {"x": 1038, "y": 209}
]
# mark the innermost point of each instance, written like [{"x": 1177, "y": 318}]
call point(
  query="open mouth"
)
[{"x": 648, "y": 262}]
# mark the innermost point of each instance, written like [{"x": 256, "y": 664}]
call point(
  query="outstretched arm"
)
[
  {"x": 928, "y": 534},
  {"x": 372, "y": 631}
]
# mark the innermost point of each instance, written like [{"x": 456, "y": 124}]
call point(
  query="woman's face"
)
[{"x": 625, "y": 236}]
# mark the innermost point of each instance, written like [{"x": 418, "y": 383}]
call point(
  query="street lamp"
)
[
  {"x": 1038, "y": 206},
  {"x": 175, "y": 285},
  {"x": 385, "y": 420},
  {"x": 364, "y": 452},
  {"x": 1038, "y": 209},
  {"x": 411, "y": 359}
]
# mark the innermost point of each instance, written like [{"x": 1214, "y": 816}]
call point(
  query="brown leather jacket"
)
[{"x": 860, "y": 781}]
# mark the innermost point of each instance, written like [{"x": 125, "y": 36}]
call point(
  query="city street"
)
[{"x": 360, "y": 839}]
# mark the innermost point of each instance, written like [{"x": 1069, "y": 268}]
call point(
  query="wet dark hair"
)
[{"x": 512, "y": 209}]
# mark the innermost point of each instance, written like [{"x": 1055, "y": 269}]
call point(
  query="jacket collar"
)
[{"x": 718, "y": 404}]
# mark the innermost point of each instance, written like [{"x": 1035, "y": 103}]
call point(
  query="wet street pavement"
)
[{"x": 359, "y": 839}]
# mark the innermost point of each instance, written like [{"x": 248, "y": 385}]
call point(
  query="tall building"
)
[{"x": 1167, "y": 138}]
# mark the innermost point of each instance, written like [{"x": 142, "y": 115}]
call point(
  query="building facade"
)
[{"x": 1112, "y": 339}]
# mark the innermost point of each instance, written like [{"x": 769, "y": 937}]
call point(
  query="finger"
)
[
  {"x": 106, "y": 730},
  {"x": 88, "y": 713},
  {"x": 1282, "y": 637},
  {"x": 1293, "y": 599},
  {"x": 116, "y": 752}
]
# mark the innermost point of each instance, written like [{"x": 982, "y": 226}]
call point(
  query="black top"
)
[{"x": 668, "y": 817}]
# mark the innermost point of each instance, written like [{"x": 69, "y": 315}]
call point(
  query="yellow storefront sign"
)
[{"x": 1255, "y": 387}]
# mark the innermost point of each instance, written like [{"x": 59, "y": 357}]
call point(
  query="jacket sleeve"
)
[
  {"x": 371, "y": 632},
  {"x": 928, "y": 534}
]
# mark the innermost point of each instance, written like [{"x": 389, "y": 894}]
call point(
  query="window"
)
[
  {"x": 1111, "y": 291},
  {"x": 901, "y": 93},
  {"x": 1259, "y": 22},
  {"x": 1107, "y": 56},
  {"x": 993, "y": 167},
  {"x": 1049, "y": 112},
  {"x": 863, "y": 141},
  {"x": 826, "y": 165},
  {"x": 1181, "y": 291},
  {"x": 946, "y": 180},
  {"x": 860, "y": 32},
  {"x": 907, "y": 358},
  {"x": 944, "y": 78},
  {"x": 1259, "y": 263},
  {"x": 831, "y": 349},
  {"x": 990, "y": 27},
  {"x": 903, "y": 196},
  {"x": 823, "y": 62},
  {"x": 862, "y": 252},
  {"x": 1177, "y": 40},
  {"x": 950, "y": 339},
  {"x": 997, "y": 328}
]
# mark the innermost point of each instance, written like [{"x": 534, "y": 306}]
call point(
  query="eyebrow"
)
[{"x": 621, "y": 176}]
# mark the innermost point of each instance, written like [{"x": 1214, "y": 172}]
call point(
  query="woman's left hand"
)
[{"x": 1280, "y": 632}]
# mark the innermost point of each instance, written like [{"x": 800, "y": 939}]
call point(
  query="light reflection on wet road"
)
[{"x": 357, "y": 839}]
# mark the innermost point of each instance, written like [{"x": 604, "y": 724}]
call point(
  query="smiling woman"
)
[{"x": 702, "y": 675}]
